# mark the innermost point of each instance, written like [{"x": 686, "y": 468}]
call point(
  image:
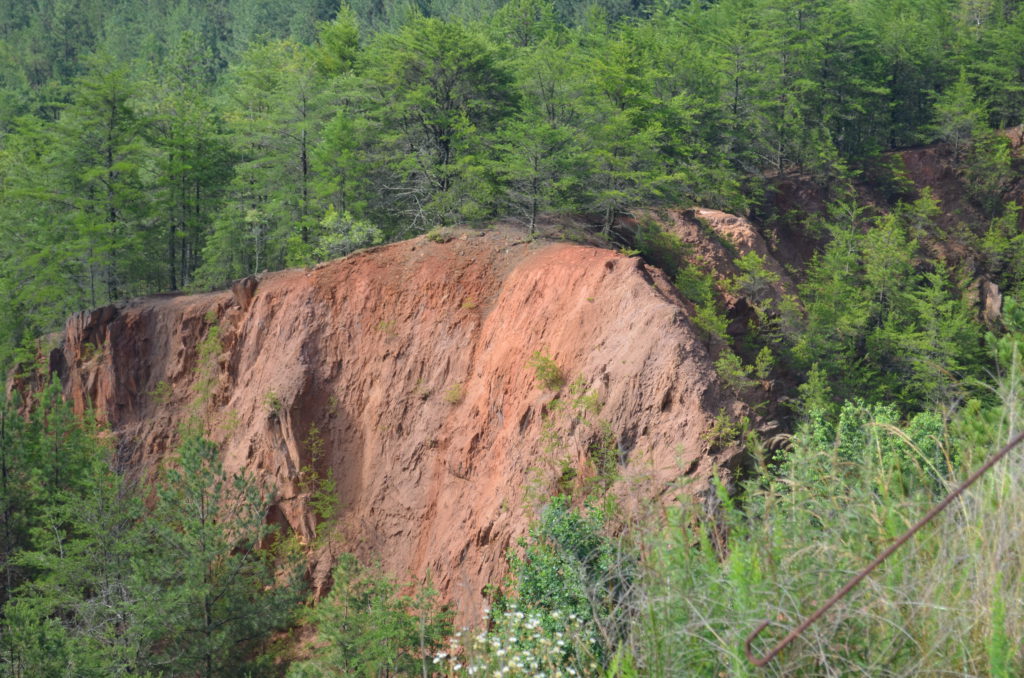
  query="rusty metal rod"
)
[{"x": 795, "y": 633}]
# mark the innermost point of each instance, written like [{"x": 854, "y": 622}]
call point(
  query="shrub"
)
[
  {"x": 711, "y": 322},
  {"x": 548, "y": 374},
  {"x": 725, "y": 430},
  {"x": 764, "y": 363},
  {"x": 320, "y": 486},
  {"x": 439, "y": 235},
  {"x": 571, "y": 430},
  {"x": 571, "y": 568},
  {"x": 454, "y": 394},
  {"x": 696, "y": 285},
  {"x": 733, "y": 372},
  {"x": 662, "y": 249},
  {"x": 365, "y": 627},
  {"x": 272, "y": 402},
  {"x": 342, "y": 234},
  {"x": 518, "y": 644},
  {"x": 162, "y": 393},
  {"x": 754, "y": 281}
]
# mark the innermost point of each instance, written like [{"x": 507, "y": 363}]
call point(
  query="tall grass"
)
[{"x": 949, "y": 603}]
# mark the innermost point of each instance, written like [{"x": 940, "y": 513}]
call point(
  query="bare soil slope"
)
[{"x": 411, "y": 362}]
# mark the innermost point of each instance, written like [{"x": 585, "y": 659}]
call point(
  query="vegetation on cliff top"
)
[{"x": 157, "y": 147}]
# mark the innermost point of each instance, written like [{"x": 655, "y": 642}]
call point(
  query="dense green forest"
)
[{"x": 159, "y": 146}]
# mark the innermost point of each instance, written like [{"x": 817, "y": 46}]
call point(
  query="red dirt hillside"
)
[{"x": 412, "y": 362}]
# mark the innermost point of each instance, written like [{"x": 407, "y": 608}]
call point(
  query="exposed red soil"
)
[
  {"x": 412, "y": 362},
  {"x": 717, "y": 238}
]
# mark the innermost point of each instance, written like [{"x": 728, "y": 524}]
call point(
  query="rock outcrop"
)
[{"x": 408, "y": 366}]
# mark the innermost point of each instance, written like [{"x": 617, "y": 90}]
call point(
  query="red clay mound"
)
[{"x": 412, "y": 363}]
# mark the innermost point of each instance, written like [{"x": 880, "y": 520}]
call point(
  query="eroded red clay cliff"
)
[{"x": 411, "y": 361}]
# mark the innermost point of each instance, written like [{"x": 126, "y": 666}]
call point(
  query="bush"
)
[
  {"x": 696, "y": 285},
  {"x": 733, "y": 372},
  {"x": 571, "y": 567},
  {"x": 439, "y": 235},
  {"x": 754, "y": 281},
  {"x": 548, "y": 374},
  {"x": 518, "y": 644},
  {"x": 364, "y": 627},
  {"x": 660, "y": 248},
  {"x": 711, "y": 322},
  {"x": 454, "y": 394}
]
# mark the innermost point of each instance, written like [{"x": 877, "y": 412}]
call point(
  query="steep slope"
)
[
  {"x": 408, "y": 365},
  {"x": 717, "y": 237}
]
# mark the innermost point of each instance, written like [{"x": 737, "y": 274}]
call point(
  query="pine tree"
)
[
  {"x": 99, "y": 164},
  {"x": 431, "y": 94},
  {"x": 221, "y": 595},
  {"x": 190, "y": 160}
]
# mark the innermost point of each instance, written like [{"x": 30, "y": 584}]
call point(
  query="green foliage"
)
[
  {"x": 338, "y": 43},
  {"x": 695, "y": 285},
  {"x": 364, "y": 627},
  {"x": 733, "y": 372},
  {"x": 754, "y": 281},
  {"x": 518, "y": 644},
  {"x": 272, "y": 402},
  {"x": 711, "y": 322},
  {"x": 764, "y": 363},
  {"x": 725, "y": 430},
  {"x": 982, "y": 156},
  {"x": 844, "y": 489},
  {"x": 664, "y": 250},
  {"x": 226, "y": 597},
  {"x": 1000, "y": 654},
  {"x": 571, "y": 427},
  {"x": 98, "y": 595},
  {"x": 161, "y": 393},
  {"x": 48, "y": 460},
  {"x": 338, "y": 236},
  {"x": 566, "y": 552},
  {"x": 1002, "y": 247},
  {"x": 431, "y": 91},
  {"x": 454, "y": 394},
  {"x": 604, "y": 453},
  {"x": 149, "y": 147},
  {"x": 958, "y": 116},
  {"x": 439, "y": 235},
  {"x": 879, "y": 326},
  {"x": 570, "y": 567},
  {"x": 989, "y": 173},
  {"x": 815, "y": 393},
  {"x": 546, "y": 370},
  {"x": 207, "y": 370},
  {"x": 320, "y": 485}
]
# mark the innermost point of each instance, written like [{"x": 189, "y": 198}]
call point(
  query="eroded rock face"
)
[
  {"x": 712, "y": 234},
  {"x": 411, "y": 362}
]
